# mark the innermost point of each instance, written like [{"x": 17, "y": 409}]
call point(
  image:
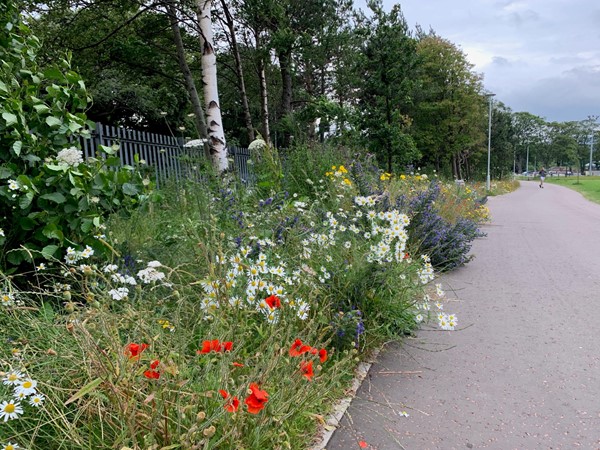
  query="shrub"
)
[
  {"x": 49, "y": 198},
  {"x": 446, "y": 243}
]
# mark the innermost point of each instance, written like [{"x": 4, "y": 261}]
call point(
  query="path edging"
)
[{"x": 332, "y": 421}]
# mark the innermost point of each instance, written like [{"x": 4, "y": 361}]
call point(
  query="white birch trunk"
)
[{"x": 216, "y": 135}]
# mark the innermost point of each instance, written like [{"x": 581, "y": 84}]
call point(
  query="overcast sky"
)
[{"x": 540, "y": 56}]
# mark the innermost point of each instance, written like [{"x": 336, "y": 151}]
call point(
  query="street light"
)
[
  {"x": 592, "y": 119},
  {"x": 487, "y": 182},
  {"x": 591, "y": 152}
]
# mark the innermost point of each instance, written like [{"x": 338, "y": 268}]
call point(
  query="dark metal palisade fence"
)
[{"x": 167, "y": 156}]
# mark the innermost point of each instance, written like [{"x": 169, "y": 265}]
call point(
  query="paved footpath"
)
[{"x": 524, "y": 371}]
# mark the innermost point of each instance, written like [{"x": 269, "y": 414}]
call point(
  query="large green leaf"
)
[
  {"x": 17, "y": 146},
  {"x": 51, "y": 231},
  {"x": 56, "y": 197},
  {"x": 10, "y": 118},
  {"x": 26, "y": 223},
  {"x": 26, "y": 200},
  {"x": 15, "y": 257},
  {"x": 130, "y": 189},
  {"x": 49, "y": 251},
  {"x": 54, "y": 73},
  {"x": 86, "y": 225},
  {"x": 53, "y": 121},
  {"x": 5, "y": 172},
  {"x": 41, "y": 108}
]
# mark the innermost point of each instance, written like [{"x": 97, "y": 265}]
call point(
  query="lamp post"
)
[
  {"x": 591, "y": 151},
  {"x": 592, "y": 119},
  {"x": 487, "y": 181}
]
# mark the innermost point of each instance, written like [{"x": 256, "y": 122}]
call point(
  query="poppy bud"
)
[
  {"x": 67, "y": 295},
  {"x": 200, "y": 416}
]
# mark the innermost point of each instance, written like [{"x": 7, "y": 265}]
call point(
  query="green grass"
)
[{"x": 589, "y": 187}]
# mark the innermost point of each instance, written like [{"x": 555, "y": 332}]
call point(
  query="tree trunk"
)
[
  {"x": 216, "y": 136},
  {"x": 190, "y": 84},
  {"x": 264, "y": 94},
  {"x": 239, "y": 71},
  {"x": 286, "y": 89}
]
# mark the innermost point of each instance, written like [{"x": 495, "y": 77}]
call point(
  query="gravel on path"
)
[{"x": 523, "y": 370}]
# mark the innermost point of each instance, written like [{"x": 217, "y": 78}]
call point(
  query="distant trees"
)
[
  {"x": 295, "y": 72},
  {"x": 449, "y": 107}
]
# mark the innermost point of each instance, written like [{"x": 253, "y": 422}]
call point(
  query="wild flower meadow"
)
[
  {"x": 212, "y": 316},
  {"x": 223, "y": 319}
]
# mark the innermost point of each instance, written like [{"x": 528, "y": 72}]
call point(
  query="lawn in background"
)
[{"x": 589, "y": 187}]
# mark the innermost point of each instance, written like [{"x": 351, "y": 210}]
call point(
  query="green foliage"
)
[
  {"x": 48, "y": 199},
  {"x": 448, "y": 108},
  {"x": 387, "y": 65},
  {"x": 131, "y": 74},
  {"x": 305, "y": 165}
]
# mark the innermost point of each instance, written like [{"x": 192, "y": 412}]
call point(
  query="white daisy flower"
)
[
  {"x": 7, "y": 299},
  {"x": 11, "y": 446},
  {"x": 10, "y": 409},
  {"x": 26, "y": 386},
  {"x": 36, "y": 400},
  {"x": 12, "y": 378}
]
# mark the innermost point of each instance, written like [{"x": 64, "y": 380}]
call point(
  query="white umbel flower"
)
[{"x": 71, "y": 156}]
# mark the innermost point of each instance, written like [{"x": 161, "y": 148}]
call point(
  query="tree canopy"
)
[{"x": 298, "y": 72}]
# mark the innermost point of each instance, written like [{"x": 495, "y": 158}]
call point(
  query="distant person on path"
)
[{"x": 542, "y": 177}]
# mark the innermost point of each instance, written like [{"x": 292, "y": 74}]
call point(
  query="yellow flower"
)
[
  {"x": 347, "y": 182},
  {"x": 343, "y": 169},
  {"x": 403, "y": 177}
]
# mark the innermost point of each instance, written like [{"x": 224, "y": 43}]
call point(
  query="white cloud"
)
[{"x": 541, "y": 56}]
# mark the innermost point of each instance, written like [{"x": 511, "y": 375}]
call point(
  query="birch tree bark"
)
[
  {"x": 216, "y": 135},
  {"x": 264, "y": 93},
  {"x": 190, "y": 84}
]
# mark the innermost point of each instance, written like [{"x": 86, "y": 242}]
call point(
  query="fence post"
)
[{"x": 99, "y": 138}]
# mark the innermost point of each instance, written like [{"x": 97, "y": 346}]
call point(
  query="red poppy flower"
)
[
  {"x": 135, "y": 350},
  {"x": 215, "y": 346},
  {"x": 273, "y": 301},
  {"x": 237, "y": 364},
  {"x": 232, "y": 404},
  {"x": 313, "y": 351},
  {"x": 363, "y": 444},
  {"x": 298, "y": 348},
  {"x": 256, "y": 400},
  {"x": 307, "y": 369},
  {"x": 406, "y": 256},
  {"x": 154, "y": 364},
  {"x": 323, "y": 355},
  {"x": 152, "y": 374}
]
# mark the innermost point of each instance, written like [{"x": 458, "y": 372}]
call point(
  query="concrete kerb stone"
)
[{"x": 333, "y": 420}]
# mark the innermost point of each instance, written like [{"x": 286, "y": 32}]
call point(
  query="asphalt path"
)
[{"x": 523, "y": 370}]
